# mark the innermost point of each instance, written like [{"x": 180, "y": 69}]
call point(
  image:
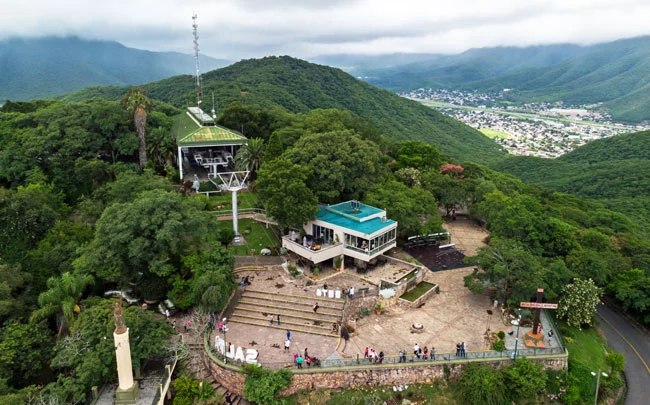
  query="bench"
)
[{"x": 448, "y": 245}]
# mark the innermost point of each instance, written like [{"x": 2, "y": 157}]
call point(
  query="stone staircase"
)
[{"x": 296, "y": 311}]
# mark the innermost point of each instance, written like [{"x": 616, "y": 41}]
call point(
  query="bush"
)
[
  {"x": 226, "y": 235},
  {"x": 499, "y": 346},
  {"x": 501, "y": 335},
  {"x": 481, "y": 384},
  {"x": 262, "y": 385}
]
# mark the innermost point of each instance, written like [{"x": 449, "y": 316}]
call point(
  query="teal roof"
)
[{"x": 354, "y": 222}]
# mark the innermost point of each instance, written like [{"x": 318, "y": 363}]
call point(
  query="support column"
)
[
  {"x": 180, "y": 162},
  {"x": 235, "y": 221},
  {"x": 128, "y": 389}
]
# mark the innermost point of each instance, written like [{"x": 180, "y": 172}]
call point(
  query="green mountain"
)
[
  {"x": 613, "y": 170},
  {"x": 36, "y": 68},
  {"x": 616, "y": 74},
  {"x": 300, "y": 86}
]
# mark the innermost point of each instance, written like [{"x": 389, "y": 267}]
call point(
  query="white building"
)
[{"x": 349, "y": 229}]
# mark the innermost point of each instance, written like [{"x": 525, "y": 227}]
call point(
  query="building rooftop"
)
[
  {"x": 188, "y": 132},
  {"x": 362, "y": 218}
]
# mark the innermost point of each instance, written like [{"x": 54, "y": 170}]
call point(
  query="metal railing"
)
[{"x": 240, "y": 211}]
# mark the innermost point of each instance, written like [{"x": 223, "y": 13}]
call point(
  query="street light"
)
[
  {"x": 225, "y": 341},
  {"x": 597, "y": 384},
  {"x": 514, "y": 356}
]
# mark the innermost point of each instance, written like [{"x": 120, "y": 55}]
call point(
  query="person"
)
[
  {"x": 416, "y": 350},
  {"x": 550, "y": 335},
  {"x": 228, "y": 399},
  {"x": 293, "y": 235},
  {"x": 425, "y": 353},
  {"x": 304, "y": 241},
  {"x": 287, "y": 345},
  {"x": 174, "y": 325},
  {"x": 247, "y": 280},
  {"x": 288, "y": 334},
  {"x": 453, "y": 214},
  {"x": 433, "y": 353},
  {"x": 299, "y": 360},
  {"x": 167, "y": 313},
  {"x": 457, "y": 349},
  {"x": 315, "y": 308},
  {"x": 242, "y": 285},
  {"x": 335, "y": 328},
  {"x": 463, "y": 349},
  {"x": 220, "y": 326},
  {"x": 308, "y": 361},
  {"x": 188, "y": 324},
  {"x": 278, "y": 316},
  {"x": 271, "y": 319},
  {"x": 325, "y": 287},
  {"x": 351, "y": 292},
  {"x": 381, "y": 357},
  {"x": 365, "y": 355},
  {"x": 401, "y": 357},
  {"x": 305, "y": 352}
]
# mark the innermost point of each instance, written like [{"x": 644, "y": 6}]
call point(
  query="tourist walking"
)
[
  {"x": 315, "y": 308},
  {"x": 351, "y": 292},
  {"x": 271, "y": 319},
  {"x": 278, "y": 316},
  {"x": 299, "y": 360},
  {"x": 416, "y": 350},
  {"x": 365, "y": 354},
  {"x": 306, "y": 353},
  {"x": 433, "y": 353},
  {"x": 287, "y": 345},
  {"x": 288, "y": 334}
]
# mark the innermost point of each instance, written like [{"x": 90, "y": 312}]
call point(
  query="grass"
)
[
  {"x": 587, "y": 346},
  {"x": 258, "y": 238},
  {"x": 246, "y": 199},
  {"x": 435, "y": 393},
  {"x": 492, "y": 133},
  {"x": 418, "y": 291}
]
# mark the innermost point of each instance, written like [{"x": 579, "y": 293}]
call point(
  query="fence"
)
[
  {"x": 163, "y": 386},
  {"x": 240, "y": 211}
]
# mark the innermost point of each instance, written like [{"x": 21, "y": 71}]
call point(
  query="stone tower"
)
[{"x": 127, "y": 390}]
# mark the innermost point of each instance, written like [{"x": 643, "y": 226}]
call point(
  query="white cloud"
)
[{"x": 251, "y": 28}]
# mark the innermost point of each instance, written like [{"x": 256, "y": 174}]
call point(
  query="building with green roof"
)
[
  {"x": 348, "y": 229},
  {"x": 204, "y": 148}
]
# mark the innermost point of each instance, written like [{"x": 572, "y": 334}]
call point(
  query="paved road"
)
[{"x": 625, "y": 337}]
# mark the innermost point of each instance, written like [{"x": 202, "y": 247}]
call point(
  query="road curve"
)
[{"x": 625, "y": 337}]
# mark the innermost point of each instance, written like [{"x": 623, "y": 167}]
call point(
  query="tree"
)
[
  {"x": 143, "y": 237},
  {"x": 578, "y": 302},
  {"x": 111, "y": 121},
  {"x": 343, "y": 165},
  {"x": 274, "y": 149},
  {"x": 632, "y": 289},
  {"x": 416, "y": 154},
  {"x": 284, "y": 193},
  {"x": 12, "y": 297},
  {"x": 525, "y": 379},
  {"x": 61, "y": 298},
  {"x": 262, "y": 385},
  {"x": 249, "y": 157},
  {"x": 24, "y": 348},
  {"x": 616, "y": 362},
  {"x": 481, "y": 384},
  {"x": 137, "y": 103}
]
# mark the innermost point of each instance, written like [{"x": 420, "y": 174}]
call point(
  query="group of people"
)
[
  {"x": 244, "y": 282},
  {"x": 272, "y": 319},
  {"x": 373, "y": 356},
  {"x": 461, "y": 349},
  {"x": 420, "y": 353}
]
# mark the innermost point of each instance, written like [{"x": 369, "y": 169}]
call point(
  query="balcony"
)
[{"x": 325, "y": 252}]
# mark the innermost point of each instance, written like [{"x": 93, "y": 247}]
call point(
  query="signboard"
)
[{"x": 537, "y": 305}]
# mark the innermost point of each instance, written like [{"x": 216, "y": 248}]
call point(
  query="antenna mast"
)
[{"x": 195, "y": 28}]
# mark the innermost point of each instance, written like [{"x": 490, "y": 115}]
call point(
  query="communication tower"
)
[{"x": 195, "y": 30}]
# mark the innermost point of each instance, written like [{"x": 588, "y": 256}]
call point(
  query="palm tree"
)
[
  {"x": 249, "y": 156},
  {"x": 61, "y": 298},
  {"x": 137, "y": 103}
]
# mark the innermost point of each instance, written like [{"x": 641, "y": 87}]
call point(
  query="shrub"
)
[
  {"x": 262, "y": 385},
  {"x": 501, "y": 335},
  {"x": 481, "y": 384},
  {"x": 499, "y": 346},
  {"x": 226, "y": 235}
]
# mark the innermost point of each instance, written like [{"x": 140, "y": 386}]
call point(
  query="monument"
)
[
  {"x": 535, "y": 337},
  {"x": 127, "y": 390}
]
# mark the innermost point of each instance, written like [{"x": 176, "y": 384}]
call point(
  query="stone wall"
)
[{"x": 387, "y": 375}]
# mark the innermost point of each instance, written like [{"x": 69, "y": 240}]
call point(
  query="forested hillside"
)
[
  {"x": 615, "y": 73},
  {"x": 614, "y": 170},
  {"x": 42, "y": 67},
  {"x": 299, "y": 87}
]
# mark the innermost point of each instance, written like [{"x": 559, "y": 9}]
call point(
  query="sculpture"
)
[{"x": 118, "y": 315}]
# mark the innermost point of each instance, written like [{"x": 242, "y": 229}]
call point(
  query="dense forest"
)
[
  {"x": 79, "y": 215},
  {"x": 299, "y": 87}
]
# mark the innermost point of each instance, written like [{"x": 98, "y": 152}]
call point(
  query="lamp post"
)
[
  {"x": 597, "y": 384},
  {"x": 514, "y": 356},
  {"x": 225, "y": 341}
]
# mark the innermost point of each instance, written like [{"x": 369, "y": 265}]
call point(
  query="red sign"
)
[{"x": 537, "y": 305}]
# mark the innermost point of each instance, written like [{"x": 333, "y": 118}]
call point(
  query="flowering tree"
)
[
  {"x": 578, "y": 302},
  {"x": 452, "y": 170}
]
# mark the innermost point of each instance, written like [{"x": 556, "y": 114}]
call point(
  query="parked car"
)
[
  {"x": 125, "y": 295},
  {"x": 167, "y": 305}
]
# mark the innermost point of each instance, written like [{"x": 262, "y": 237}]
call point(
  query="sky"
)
[{"x": 236, "y": 29}]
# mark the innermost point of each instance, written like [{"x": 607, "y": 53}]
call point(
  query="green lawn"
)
[
  {"x": 246, "y": 199},
  {"x": 585, "y": 346},
  {"x": 436, "y": 393},
  {"x": 258, "y": 238},
  {"x": 492, "y": 133}
]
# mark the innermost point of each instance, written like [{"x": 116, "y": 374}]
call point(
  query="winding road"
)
[{"x": 625, "y": 337}]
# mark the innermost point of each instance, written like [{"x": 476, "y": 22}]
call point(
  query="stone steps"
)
[
  {"x": 294, "y": 301},
  {"x": 291, "y": 328},
  {"x": 274, "y": 308},
  {"x": 300, "y": 297},
  {"x": 284, "y": 322}
]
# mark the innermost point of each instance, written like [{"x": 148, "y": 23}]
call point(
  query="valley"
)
[{"x": 543, "y": 129}]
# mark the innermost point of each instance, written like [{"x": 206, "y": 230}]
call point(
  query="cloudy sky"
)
[{"x": 235, "y": 29}]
